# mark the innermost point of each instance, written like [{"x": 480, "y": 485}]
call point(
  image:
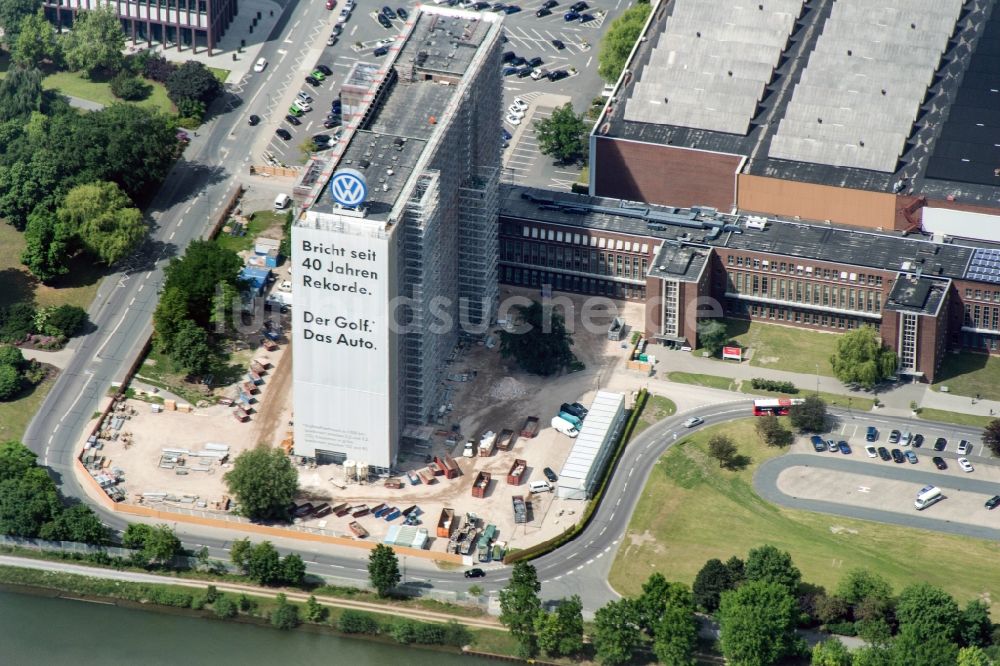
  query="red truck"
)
[{"x": 516, "y": 472}]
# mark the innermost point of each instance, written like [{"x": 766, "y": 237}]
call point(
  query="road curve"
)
[{"x": 765, "y": 483}]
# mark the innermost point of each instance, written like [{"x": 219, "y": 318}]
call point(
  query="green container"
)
[{"x": 643, "y": 357}]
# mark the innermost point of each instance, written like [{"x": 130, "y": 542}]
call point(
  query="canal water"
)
[{"x": 52, "y": 631}]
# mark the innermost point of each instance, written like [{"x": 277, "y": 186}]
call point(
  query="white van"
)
[
  {"x": 928, "y": 495},
  {"x": 540, "y": 487},
  {"x": 282, "y": 201},
  {"x": 564, "y": 426}
]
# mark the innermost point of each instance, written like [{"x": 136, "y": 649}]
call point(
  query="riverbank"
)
[{"x": 256, "y": 605}]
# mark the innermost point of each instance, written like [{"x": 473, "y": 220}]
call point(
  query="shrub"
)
[
  {"x": 247, "y": 605},
  {"x": 357, "y": 622},
  {"x": 773, "y": 385},
  {"x": 199, "y": 602},
  {"x": 842, "y": 628},
  {"x": 17, "y": 322},
  {"x": 65, "y": 320},
  {"x": 157, "y": 68},
  {"x": 285, "y": 616},
  {"x": 404, "y": 631},
  {"x": 456, "y": 634},
  {"x": 10, "y": 382},
  {"x": 128, "y": 87},
  {"x": 167, "y": 597},
  {"x": 225, "y": 608}
]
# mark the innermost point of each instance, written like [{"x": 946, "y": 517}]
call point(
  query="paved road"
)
[{"x": 765, "y": 482}]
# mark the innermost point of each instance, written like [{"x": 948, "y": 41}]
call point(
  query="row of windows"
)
[
  {"x": 800, "y": 269},
  {"x": 744, "y": 309},
  {"x": 982, "y": 294},
  {"x": 801, "y": 291},
  {"x": 526, "y": 231},
  {"x": 979, "y": 341},
  {"x": 982, "y": 316},
  {"x": 579, "y": 259},
  {"x": 561, "y": 282}
]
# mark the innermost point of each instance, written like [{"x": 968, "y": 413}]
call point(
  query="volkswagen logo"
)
[{"x": 348, "y": 188}]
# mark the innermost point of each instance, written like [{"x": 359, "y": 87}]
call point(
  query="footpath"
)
[{"x": 483, "y": 622}]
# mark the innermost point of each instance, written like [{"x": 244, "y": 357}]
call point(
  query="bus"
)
[{"x": 774, "y": 406}]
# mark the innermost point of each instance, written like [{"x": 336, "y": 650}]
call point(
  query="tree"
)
[
  {"x": 721, "y": 448},
  {"x": 520, "y": 605},
  {"x": 17, "y": 321},
  {"x": 285, "y": 616},
  {"x": 264, "y": 483},
  {"x": 191, "y": 349},
  {"x": 809, "y": 415},
  {"x": 929, "y": 611},
  {"x": 860, "y": 584},
  {"x": 831, "y": 608},
  {"x": 193, "y": 81},
  {"x": 770, "y": 565},
  {"x": 263, "y": 564},
  {"x": 157, "y": 68},
  {"x": 315, "y": 612},
  {"x": 36, "y": 41},
  {"x": 871, "y": 656},
  {"x": 712, "y": 335},
  {"x": 27, "y": 502},
  {"x": 677, "y": 631},
  {"x": 383, "y": 569},
  {"x": 912, "y": 647},
  {"x": 975, "y": 626},
  {"x": 13, "y": 13},
  {"x": 239, "y": 553},
  {"x": 562, "y": 135},
  {"x": 616, "y": 632},
  {"x": 96, "y": 42},
  {"x": 540, "y": 344},
  {"x": 973, "y": 656},
  {"x": 48, "y": 242},
  {"x": 757, "y": 622},
  {"x": 29, "y": 185},
  {"x": 712, "y": 580},
  {"x": 15, "y": 460},
  {"x": 619, "y": 40},
  {"x": 293, "y": 569},
  {"x": 157, "y": 544},
  {"x": 225, "y": 608},
  {"x": 862, "y": 358},
  {"x": 20, "y": 92},
  {"x": 128, "y": 87},
  {"x": 10, "y": 382},
  {"x": 77, "y": 523},
  {"x": 771, "y": 431},
  {"x": 104, "y": 220},
  {"x": 657, "y": 593},
  {"x": 66, "y": 320},
  {"x": 560, "y": 633},
  {"x": 204, "y": 265},
  {"x": 171, "y": 312},
  {"x": 12, "y": 356},
  {"x": 991, "y": 436},
  {"x": 830, "y": 652}
]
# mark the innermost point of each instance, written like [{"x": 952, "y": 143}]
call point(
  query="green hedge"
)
[
  {"x": 571, "y": 533},
  {"x": 773, "y": 385}
]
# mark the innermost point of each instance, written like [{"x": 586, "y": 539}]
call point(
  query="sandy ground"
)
[
  {"x": 496, "y": 396},
  {"x": 151, "y": 432}
]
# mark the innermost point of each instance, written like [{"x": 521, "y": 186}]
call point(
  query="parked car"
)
[
  {"x": 693, "y": 421},
  {"x": 542, "y": 12},
  {"x": 283, "y": 133},
  {"x": 550, "y": 475},
  {"x": 514, "y": 111},
  {"x": 295, "y": 111},
  {"x": 965, "y": 465},
  {"x": 480, "y": 6},
  {"x": 524, "y": 71},
  {"x": 871, "y": 435},
  {"x": 292, "y": 120},
  {"x": 508, "y": 56},
  {"x": 558, "y": 43},
  {"x": 384, "y": 22},
  {"x": 549, "y": 4},
  {"x": 586, "y": 18},
  {"x": 337, "y": 29},
  {"x": 331, "y": 40},
  {"x": 388, "y": 13},
  {"x": 534, "y": 62},
  {"x": 322, "y": 138},
  {"x": 318, "y": 74},
  {"x": 253, "y": 120},
  {"x": 579, "y": 6},
  {"x": 911, "y": 457},
  {"x": 939, "y": 462},
  {"x": 831, "y": 446},
  {"x": 557, "y": 74},
  {"x": 313, "y": 81},
  {"x": 344, "y": 14},
  {"x": 918, "y": 440},
  {"x": 475, "y": 573},
  {"x": 498, "y": 6},
  {"x": 570, "y": 16},
  {"x": 870, "y": 450},
  {"x": 512, "y": 119},
  {"x": 883, "y": 453},
  {"x": 260, "y": 65},
  {"x": 844, "y": 447},
  {"x": 511, "y": 9},
  {"x": 818, "y": 444},
  {"x": 380, "y": 51},
  {"x": 940, "y": 444},
  {"x": 518, "y": 61},
  {"x": 507, "y": 136},
  {"x": 330, "y": 4},
  {"x": 897, "y": 456},
  {"x": 964, "y": 448},
  {"x": 305, "y": 97},
  {"x": 993, "y": 502},
  {"x": 326, "y": 71},
  {"x": 894, "y": 436},
  {"x": 507, "y": 71},
  {"x": 330, "y": 123}
]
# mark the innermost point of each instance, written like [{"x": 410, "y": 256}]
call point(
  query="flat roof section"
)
[
  {"x": 674, "y": 261},
  {"x": 692, "y": 79},
  {"x": 916, "y": 294},
  {"x": 968, "y": 149},
  {"x": 869, "y": 62}
]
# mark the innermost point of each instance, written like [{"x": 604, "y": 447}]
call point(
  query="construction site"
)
[{"x": 472, "y": 484}]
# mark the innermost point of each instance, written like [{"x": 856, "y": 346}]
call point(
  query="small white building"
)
[{"x": 593, "y": 447}]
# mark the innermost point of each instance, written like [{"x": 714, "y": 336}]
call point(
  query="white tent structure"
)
[{"x": 592, "y": 447}]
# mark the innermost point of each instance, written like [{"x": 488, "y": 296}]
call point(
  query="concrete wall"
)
[
  {"x": 667, "y": 175},
  {"x": 859, "y": 208}
]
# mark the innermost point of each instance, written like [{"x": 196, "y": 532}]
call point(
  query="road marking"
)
[
  {"x": 864, "y": 489},
  {"x": 588, "y": 61},
  {"x": 630, "y": 471},
  {"x": 171, "y": 237},
  {"x": 603, "y": 530},
  {"x": 569, "y": 557},
  {"x": 90, "y": 375},
  {"x": 132, "y": 302}
]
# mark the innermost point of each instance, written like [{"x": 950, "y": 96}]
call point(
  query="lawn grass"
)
[
  {"x": 692, "y": 511},
  {"x": 657, "y": 408},
  {"x": 99, "y": 91},
  {"x": 698, "y": 379},
  {"x": 16, "y": 414},
  {"x": 221, "y": 74},
  {"x": 157, "y": 370},
  {"x": 970, "y": 374},
  {"x": 78, "y": 287},
  {"x": 259, "y": 222},
  {"x": 782, "y": 347},
  {"x": 957, "y": 418}
]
